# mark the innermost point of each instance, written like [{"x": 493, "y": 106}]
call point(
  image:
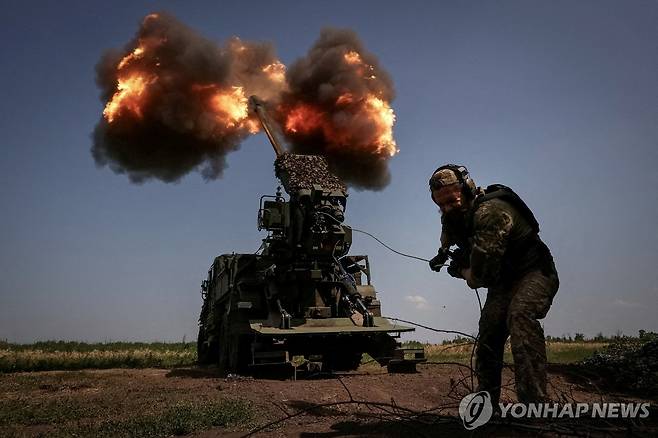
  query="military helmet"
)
[{"x": 453, "y": 174}]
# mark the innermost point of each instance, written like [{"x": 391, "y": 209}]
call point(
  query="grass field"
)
[
  {"x": 85, "y": 404},
  {"x": 59, "y": 355},
  {"x": 154, "y": 390},
  {"x": 557, "y": 352}
]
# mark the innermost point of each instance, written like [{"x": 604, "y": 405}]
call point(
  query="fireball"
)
[
  {"x": 383, "y": 117},
  {"x": 128, "y": 97},
  {"x": 230, "y": 106}
]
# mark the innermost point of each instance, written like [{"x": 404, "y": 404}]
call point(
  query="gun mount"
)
[{"x": 303, "y": 295}]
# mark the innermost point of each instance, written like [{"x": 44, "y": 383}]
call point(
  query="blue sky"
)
[{"x": 558, "y": 100}]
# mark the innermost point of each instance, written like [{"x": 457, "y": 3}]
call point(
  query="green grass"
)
[
  {"x": 59, "y": 355},
  {"x": 557, "y": 352},
  {"x": 73, "y": 346},
  {"x": 66, "y": 418},
  {"x": 180, "y": 419},
  {"x": 572, "y": 352},
  {"x": 49, "y": 411}
]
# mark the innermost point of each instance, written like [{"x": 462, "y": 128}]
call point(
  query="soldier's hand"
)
[
  {"x": 436, "y": 264},
  {"x": 439, "y": 260}
]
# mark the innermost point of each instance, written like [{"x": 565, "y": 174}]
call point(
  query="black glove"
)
[
  {"x": 455, "y": 269},
  {"x": 439, "y": 260}
]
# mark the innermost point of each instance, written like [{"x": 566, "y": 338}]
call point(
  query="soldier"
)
[{"x": 498, "y": 247}]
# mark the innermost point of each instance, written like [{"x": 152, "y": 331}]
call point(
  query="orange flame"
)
[
  {"x": 130, "y": 91},
  {"x": 136, "y": 54},
  {"x": 231, "y": 108},
  {"x": 304, "y": 119},
  {"x": 229, "y": 105},
  {"x": 384, "y": 117},
  {"x": 131, "y": 87}
]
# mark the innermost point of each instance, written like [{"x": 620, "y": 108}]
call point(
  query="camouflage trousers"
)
[{"x": 514, "y": 311}]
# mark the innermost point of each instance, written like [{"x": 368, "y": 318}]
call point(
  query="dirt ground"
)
[{"x": 374, "y": 403}]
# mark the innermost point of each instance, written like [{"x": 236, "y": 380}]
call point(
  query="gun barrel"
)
[{"x": 259, "y": 108}]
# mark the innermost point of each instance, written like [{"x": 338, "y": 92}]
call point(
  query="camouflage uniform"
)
[{"x": 507, "y": 257}]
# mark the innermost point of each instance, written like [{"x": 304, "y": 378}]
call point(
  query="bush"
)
[{"x": 629, "y": 364}]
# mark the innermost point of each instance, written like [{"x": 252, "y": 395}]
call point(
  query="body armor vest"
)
[{"x": 525, "y": 254}]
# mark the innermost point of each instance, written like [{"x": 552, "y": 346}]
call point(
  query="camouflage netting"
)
[
  {"x": 298, "y": 172},
  {"x": 628, "y": 364}
]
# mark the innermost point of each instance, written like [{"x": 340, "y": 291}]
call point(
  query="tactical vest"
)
[{"x": 522, "y": 255}]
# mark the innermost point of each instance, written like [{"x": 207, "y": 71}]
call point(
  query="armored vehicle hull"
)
[
  {"x": 302, "y": 300},
  {"x": 244, "y": 327}
]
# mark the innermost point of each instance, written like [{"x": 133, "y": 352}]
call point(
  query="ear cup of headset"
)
[
  {"x": 469, "y": 185},
  {"x": 465, "y": 178},
  {"x": 462, "y": 175}
]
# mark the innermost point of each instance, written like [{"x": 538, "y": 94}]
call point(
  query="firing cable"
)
[
  {"x": 389, "y": 248},
  {"x": 378, "y": 240},
  {"x": 477, "y": 293},
  {"x": 431, "y": 328}
]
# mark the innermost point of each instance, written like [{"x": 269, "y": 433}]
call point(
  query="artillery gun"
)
[{"x": 303, "y": 302}]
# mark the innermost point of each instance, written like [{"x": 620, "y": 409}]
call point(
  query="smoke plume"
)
[
  {"x": 337, "y": 105},
  {"x": 177, "y": 101}
]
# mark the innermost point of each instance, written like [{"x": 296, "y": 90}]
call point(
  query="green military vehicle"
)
[{"x": 300, "y": 303}]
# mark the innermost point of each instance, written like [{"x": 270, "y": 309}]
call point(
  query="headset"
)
[{"x": 463, "y": 177}]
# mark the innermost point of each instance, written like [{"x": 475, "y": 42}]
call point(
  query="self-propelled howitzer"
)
[{"x": 302, "y": 297}]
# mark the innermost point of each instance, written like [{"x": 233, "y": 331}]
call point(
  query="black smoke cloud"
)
[
  {"x": 348, "y": 139},
  {"x": 172, "y": 130},
  {"x": 176, "y": 132}
]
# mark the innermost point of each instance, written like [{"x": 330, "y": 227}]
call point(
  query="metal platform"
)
[{"x": 328, "y": 326}]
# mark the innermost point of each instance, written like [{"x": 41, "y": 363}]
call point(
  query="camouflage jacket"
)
[{"x": 501, "y": 242}]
